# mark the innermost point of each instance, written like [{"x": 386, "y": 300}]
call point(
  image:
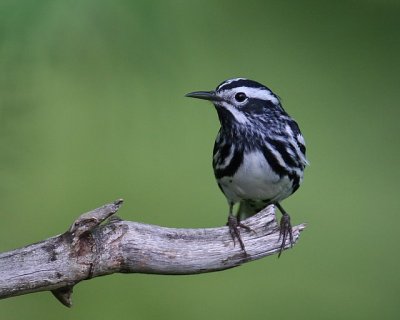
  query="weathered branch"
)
[{"x": 90, "y": 249}]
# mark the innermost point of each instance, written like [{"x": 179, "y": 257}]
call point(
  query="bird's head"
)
[{"x": 241, "y": 101}]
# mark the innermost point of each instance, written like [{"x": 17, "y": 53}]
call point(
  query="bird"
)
[{"x": 259, "y": 154}]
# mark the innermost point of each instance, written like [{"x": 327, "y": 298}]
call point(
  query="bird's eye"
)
[{"x": 240, "y": 96}]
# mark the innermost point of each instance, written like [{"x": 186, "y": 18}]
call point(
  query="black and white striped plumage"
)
[{"x": 259, "y": 153}]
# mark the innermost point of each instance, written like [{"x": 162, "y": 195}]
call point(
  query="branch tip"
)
[
  {"x": 89, "y": 220},
  {"x": 118, "y": 202},
  {"x": 64, "y": 295}
]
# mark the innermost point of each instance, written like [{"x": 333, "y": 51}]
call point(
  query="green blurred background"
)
[{"x": 92, "y": 109}]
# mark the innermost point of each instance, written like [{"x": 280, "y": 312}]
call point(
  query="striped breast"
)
[{"x": 268, "y": 169}]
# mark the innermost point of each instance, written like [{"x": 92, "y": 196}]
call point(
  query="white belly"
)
[{"x": 255, "y": 180}]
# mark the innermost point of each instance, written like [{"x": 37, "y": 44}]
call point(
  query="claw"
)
[
  {"x": 234, "y": 224},
  {"x": 285, "y": 231}
]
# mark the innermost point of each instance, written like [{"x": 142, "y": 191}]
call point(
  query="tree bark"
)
[{"x": 91, "y": 248}]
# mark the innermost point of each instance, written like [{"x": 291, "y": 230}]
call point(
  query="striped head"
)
[{"x": 242, "y": 101}]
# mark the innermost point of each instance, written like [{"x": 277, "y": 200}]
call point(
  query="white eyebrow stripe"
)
[{"x": 257, "y": 93}]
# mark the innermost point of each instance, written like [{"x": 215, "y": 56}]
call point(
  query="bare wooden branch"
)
[{"x": 91, "y": 249}]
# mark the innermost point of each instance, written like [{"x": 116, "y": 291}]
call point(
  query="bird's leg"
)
[
  {"x": 285, "y": 229},
  {"x": 234, "y": 224}
]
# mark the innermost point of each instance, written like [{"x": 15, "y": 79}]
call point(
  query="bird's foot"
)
[
  {"x": 234, "y": 224},
  {"x": 285, "y": 231}
]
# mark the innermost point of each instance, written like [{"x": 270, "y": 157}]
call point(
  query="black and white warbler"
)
[{"x": 259, "y": 154}]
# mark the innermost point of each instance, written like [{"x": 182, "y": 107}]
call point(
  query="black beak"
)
[{"x": 205, "y": 95}]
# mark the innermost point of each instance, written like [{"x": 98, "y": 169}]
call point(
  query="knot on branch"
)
[{"x": 83, "y": 244}]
